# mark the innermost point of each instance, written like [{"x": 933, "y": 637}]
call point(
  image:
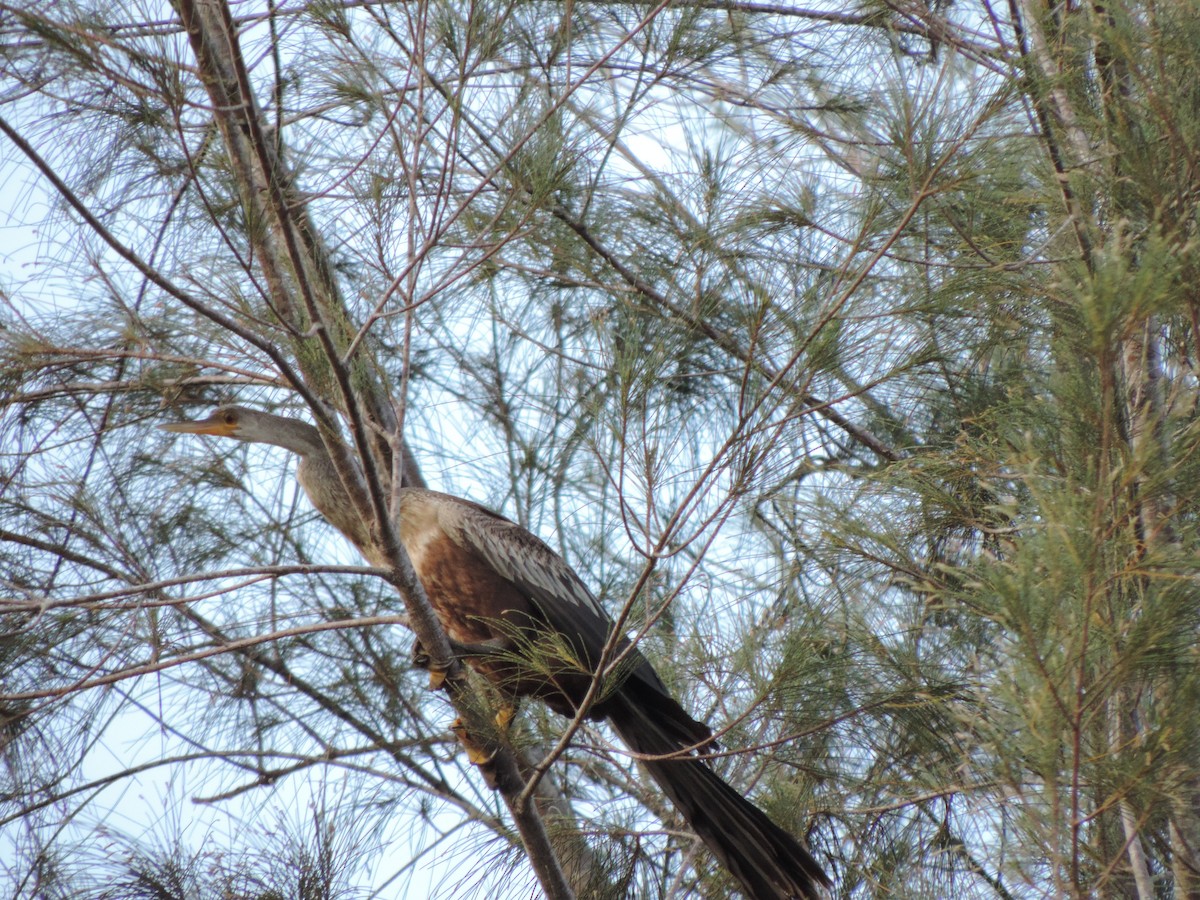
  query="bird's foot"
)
[
  {"x": 422, "y": 660},
  {"x": 437, "y": 677},
  {"x": 505, "y": 715},
  {"x": 477, "y": 753},
  {"x": 420, "y": 657}
]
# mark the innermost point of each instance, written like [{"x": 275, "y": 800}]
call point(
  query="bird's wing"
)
[{"x": 563, "y": 600}]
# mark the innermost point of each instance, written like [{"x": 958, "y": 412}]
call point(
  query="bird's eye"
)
[{"x": 230, "y": 418}]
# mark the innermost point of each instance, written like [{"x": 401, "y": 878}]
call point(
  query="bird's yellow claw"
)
[
  {"x": 476, "y": 752},
  {"x": 437, "y": 678},
  {"x": 505, "y": 715}
]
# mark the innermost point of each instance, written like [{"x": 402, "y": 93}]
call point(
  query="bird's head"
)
[
  {"x": 225, "y": 421},
  {"x": 254, "y": 427}
]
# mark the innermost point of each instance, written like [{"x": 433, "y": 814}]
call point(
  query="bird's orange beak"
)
[{"x": 211, "y": 425}]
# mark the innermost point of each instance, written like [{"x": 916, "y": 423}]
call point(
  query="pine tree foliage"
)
[{"x": 848, "y": 352}]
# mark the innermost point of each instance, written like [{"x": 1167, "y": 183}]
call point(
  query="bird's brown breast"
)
[
  {"x": 473, "y": 602},
  {"x": 476, "y": 605}
]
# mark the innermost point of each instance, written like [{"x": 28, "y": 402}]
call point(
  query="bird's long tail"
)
[{"x": 769, "y": 862}]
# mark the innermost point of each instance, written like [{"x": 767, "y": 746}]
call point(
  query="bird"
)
[{"x": 493, "y": 583}]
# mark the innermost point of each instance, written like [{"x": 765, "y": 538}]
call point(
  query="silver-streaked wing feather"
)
[{"x": 541, "y": 574}]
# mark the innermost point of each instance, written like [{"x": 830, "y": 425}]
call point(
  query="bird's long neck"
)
[
  {"x": 321, "y": 481},
  {"x": 292, "y": 434}
]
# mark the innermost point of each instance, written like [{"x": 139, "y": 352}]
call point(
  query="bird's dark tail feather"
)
[{"x": 769, "y": 862}]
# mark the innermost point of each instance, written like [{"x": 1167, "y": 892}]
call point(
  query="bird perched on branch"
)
[{"x": 494, "y": 584}]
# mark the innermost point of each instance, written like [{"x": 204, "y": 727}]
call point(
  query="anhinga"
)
[{"x": 493, "y": 583}]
